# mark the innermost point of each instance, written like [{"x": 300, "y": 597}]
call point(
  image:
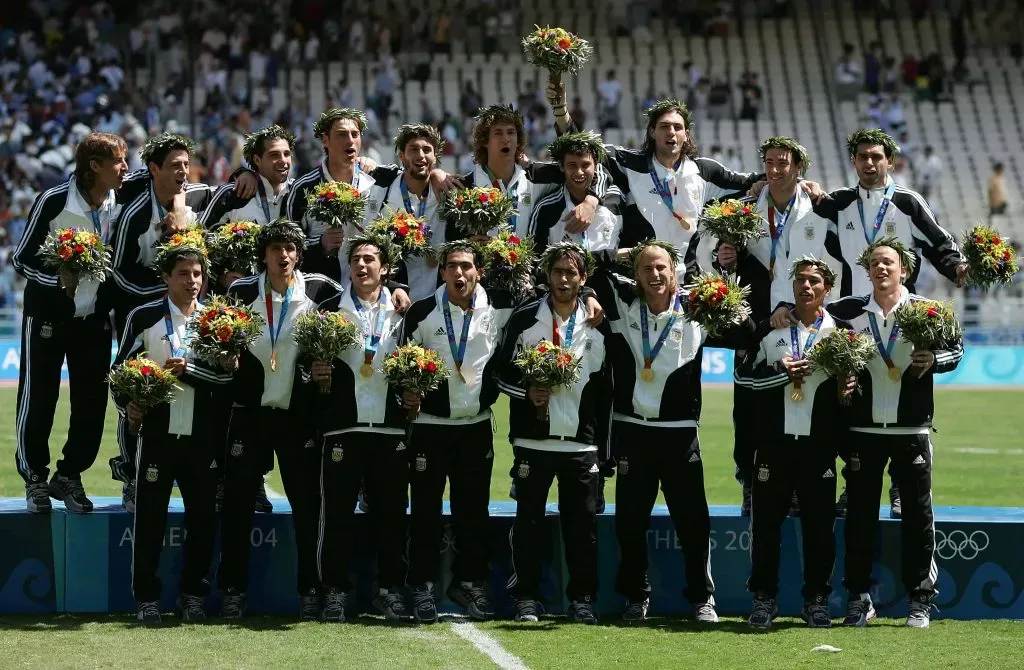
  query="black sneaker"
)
[
  {"x": 149, "y": 612},
  {"x": 764, "y": 612},
  {"x": 527, "y": 611},
  {"x": 859, "y": 611},
  {"x": 309, "y": 607},
  {"x": 192, "y": 610},
  {"x": 424, "y": 609},
  {"x": 842, "y": 504},
  {"x": 233, "y": 606},
  {"x": 128, "y": 497},
  {"x": 392, "y": 605},
  {"x": 37, "y": 498},
  {"x": 218, "y": 498},
  {"x": 747, "y": 498},
  {"x": 815, "y": 613},
  {"x": 637, "y": 611},
  {"x": 920, "y": 613},
  {"x": 582, "y": 612},
  {"x": 472, "y": 598},
  {"x": 794, "y": 506},
  {"x": 71, "y": 492},
  {"x": 263, "y": 503},
  {"x": 334, "y": 606},
  {"x": 895, "y": 504}
]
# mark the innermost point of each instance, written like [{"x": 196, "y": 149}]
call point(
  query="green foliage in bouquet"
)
[
  {"x": 928, "y": 324},
  {"x": 733, "y": 222},
  {"x": 716, "y": 302}
]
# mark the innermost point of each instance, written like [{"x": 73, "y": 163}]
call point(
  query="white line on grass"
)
[
  {"x": 988, "y": 451},
  {"x": 488, "y": 645}
]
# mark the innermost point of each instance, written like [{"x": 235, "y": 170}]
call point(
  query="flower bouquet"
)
[
  {"x": 716, "y": 302},
  {"x": 508, "y": 263},
  {"x": 406, "y": 230},
  {"x": 75, "y": 253},
  {"x": 234, "y": 247},
  {"x": 475, "y": 211},
  {"x": 733, "y": 222},
  {"x": 324, "y": 336},
  {"x": 840, "y": 354},
  {"x": 143, "y": 382},
  {"x": 990, "y": 258},
  {"x": 415, "y": 368},
  {"x": 220, "y": 330},
  {"x": 928, "y": 324},
  {"x": 556, "y": 50},
  {"x": 192, "y": 238},
  {"x": 547, "y": 365},
  {"x": 337, "y": 204}
]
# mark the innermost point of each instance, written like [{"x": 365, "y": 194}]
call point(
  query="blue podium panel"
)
[{"x": 31, "y": 558}]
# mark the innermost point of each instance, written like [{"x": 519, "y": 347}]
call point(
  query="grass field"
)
[{"x": 979, "y": 456}]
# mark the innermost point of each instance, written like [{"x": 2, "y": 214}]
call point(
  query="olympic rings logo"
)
[{"x": 959, "y": 544}]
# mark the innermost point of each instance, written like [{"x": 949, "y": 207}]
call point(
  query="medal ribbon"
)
[
  {"x": 458, "y": 351},
  {"x": 662, "y": 187},
  {"x": 373, "y": 336},
  {"x": 263, "y": 199},
  {"x": 407, "y": 201},
  {"x": 649, "y": 353},
  {"x": 882, "y": 209},
  {"x": 812, "y": 334},
  {"x": 276, "y": 333},
  {"x": 886, "y": 351},
  {"x": 512, "y": 192},
  {"x": 556, "y": 338},
  {"x": 777, "y": 229},
  {"x": 176, "y": 352}
]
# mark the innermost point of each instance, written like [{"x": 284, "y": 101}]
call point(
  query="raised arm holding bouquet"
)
[
  {"x": 556, "y": 50},
  {"x": 76, "y": 254},
  {"x": 991, "y": 259}
]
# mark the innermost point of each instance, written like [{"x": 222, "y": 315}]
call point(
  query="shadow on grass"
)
[
  {"x": 677, "y": 625},
  {"x": 74, "y": 622}
]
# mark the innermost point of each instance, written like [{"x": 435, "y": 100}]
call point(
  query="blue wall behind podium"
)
[{"x": 83, "y": 563}]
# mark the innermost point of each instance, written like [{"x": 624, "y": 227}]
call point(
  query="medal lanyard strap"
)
[
  {"x": 176, "y": 352},
  {"x": 661, "y": 185},
  {"x": 263, "y": 199},
  {"x": 812, "y": 334},
  {"x": 512, "y": 191},
  {"x": 458, "y": 351},
  {"x": 374, "y": 335},
  {"x": 275, "y": 333},
  {"x": 777, "y": 227},
  {"x": 407, "y": 201},
  {"x": 556, "y": 337},
  {"x": 95, "y": 215},
  {"x": 880, "y": 216},
  {"x": 651, "y": 353},
  {"x": 886, "y": 351}
]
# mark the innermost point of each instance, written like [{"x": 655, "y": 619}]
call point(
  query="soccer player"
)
[
  {"x": 173, "y": 438},
  {"x": 792, "y": 230},
  {"x": 418, "y": 147},
  {"x": 579, "y": 156},
  {"x": 268, "y": 416},
  {"x": 655, "y": 355},
  {"x": 798, "y": 416},
  {"x": 55, "y": 326},
  {"x": 565, "y": 444},
  {"x": 363, "y": 429},
  {"x": 890, "y": 421},
  {"x": 878, "y": 206}
]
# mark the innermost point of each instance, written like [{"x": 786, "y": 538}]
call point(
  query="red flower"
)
[
  {"x": 431, "y": 367},
  {"x": 564, "y": 44},
  {"x": 64, "y": 237},
  {"x": 146, "y": 370},
  {"x": 746, "y": 210},
  {"x": 1006, "y": 256},
  {"x": 403, "y": 231},
  {"x": 512, "y": 257},
  {"x": 79, "y": 249},
  {"x": 541, "y": 349},
  {"x": 995, "y": 239},
  {"x": 514, "y": 240},
  {"x": 853, "y": 336},
  {"x": 933, "y": 312},
  {"x": 484, "y": 197},
  {"x": 978, "y": 239},
  {"x": 224, "y": 333},
  {"x": 329, "y": 195}
]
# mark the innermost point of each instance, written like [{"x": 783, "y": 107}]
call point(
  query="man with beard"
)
[
  {"x": 66, "y": 321},
  {"x": 418, "y": 147},
  {"x": 890, "y": 421},
  {"x": 878, "y": 206},
  {"x": 655, "y": 355}
]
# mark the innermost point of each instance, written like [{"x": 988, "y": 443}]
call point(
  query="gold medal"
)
[
  {"x": 797, "y": 395},
  {"x": 894, "y": 373},
  {"x": 273, "y": 362},
  {"x": 647, "y": 375},
  {"x": 366, "y": 370}
]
